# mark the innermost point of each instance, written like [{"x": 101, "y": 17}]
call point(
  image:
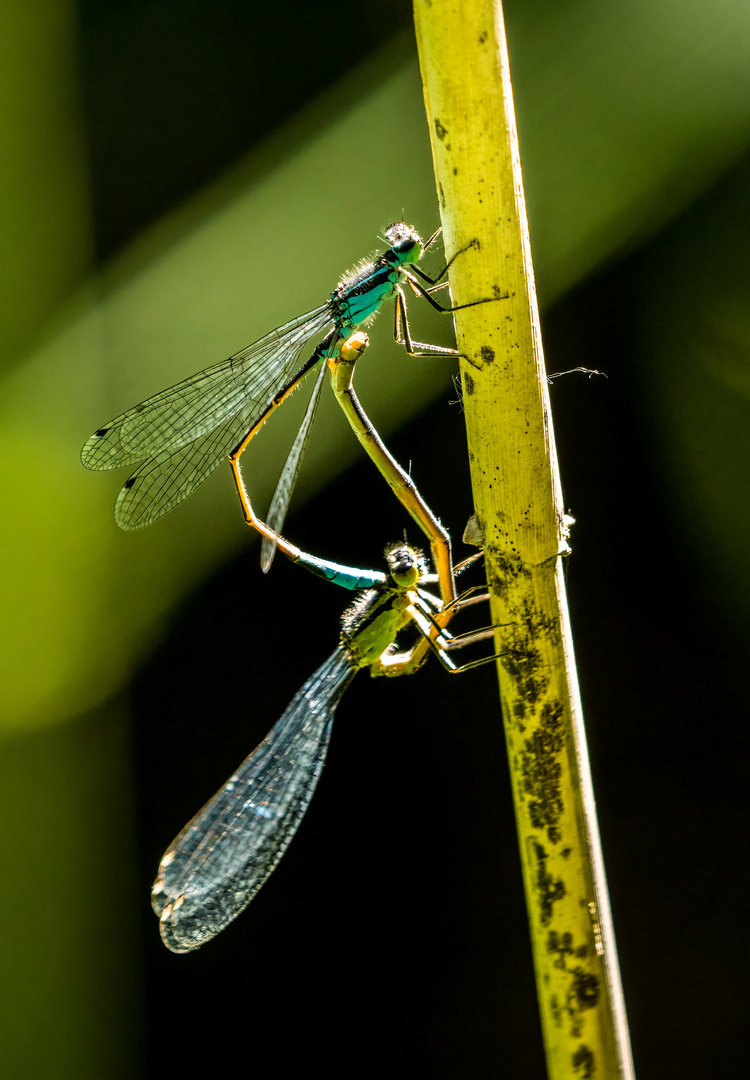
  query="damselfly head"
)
[
  {"x": 406, "y": 565},
  {"x": 405, "y": 241}
]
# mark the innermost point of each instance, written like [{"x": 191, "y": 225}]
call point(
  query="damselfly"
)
[
  {"x": 179, "y": 436},
  {"x": 220, "y": 860},
  {"x": 342, "y": 375}
]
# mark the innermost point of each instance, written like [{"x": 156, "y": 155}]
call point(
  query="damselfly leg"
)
[
  {"x": 223, "y": 856},
  {"x": 280, "y": 501},
  {"x": 176, "y": 438}
]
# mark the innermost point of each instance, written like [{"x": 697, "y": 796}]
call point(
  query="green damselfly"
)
[
  {"x": 217, "y": 864},
  {"x": 179, "y": 436},
  {"x": 220, "y": 860}
]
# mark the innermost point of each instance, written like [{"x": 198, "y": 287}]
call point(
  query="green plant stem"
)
[{"x": 518, "y": 501}]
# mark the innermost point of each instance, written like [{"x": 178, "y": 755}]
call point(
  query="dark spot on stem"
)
[
  {"x": 548, "y": 889},
  {"x": 542, "y": 770},
  {"x": 586, "y": 989},
  {"x": 583, "y": 1063}
]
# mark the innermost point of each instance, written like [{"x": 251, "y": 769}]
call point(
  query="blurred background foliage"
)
[{"x": 176, "y": 179}]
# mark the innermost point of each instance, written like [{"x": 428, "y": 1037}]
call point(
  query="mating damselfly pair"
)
[
  {"x": 179, "y": 436},
  {"x": 176, "y": 438}
]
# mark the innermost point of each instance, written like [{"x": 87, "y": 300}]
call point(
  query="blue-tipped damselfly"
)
[{"x": 179, "y": 436}]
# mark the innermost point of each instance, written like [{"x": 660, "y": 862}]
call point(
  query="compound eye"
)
[
  {"x": 401, "y": 236},
  {"x": 406, "y": 579},
  {"x": 404, "y": 566}
]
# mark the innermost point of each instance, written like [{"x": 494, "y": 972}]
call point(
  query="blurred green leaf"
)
[
  {"x": 614, "y": 140},
  {"x": 627, "y": 113}
]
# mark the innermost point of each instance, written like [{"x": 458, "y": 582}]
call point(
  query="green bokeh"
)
[{"x": 627, "y": 113}]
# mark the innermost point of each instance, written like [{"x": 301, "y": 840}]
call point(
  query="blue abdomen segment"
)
[{"x": 348, "y": 577}]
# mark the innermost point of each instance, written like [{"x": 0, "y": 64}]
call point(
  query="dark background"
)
[{"x": 392, "y": 938}]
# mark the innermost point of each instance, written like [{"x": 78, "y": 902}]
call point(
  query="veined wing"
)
[
  {"x": 189, "y": 410},
  {"x": 222, "y": 857},
  {"x": 164, "y": 480},
  {"x": 282, "y": 496}
]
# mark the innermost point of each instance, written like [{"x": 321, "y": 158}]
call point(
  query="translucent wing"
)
[
  {"x": 200, "y": 421},
  {"x": 166, "y": 479},
  {"x": 222, "y": 857},
  {"x": 282, "y": 496}
]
